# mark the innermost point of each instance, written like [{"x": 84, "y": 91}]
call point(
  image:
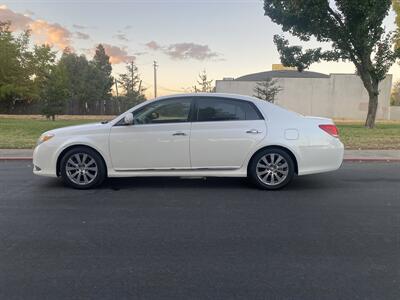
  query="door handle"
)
[
  {"x": 179, "y": 134},
  {"x": 253, "y": 131}
]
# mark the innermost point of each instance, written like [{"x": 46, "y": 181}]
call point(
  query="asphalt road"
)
[{"x": 329, "y": 236}]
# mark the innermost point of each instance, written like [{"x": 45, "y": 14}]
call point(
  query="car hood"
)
[{"x": 91, "y": 128}]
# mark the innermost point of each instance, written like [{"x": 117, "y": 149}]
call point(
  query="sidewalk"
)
[{"x": 350, "y": 155}]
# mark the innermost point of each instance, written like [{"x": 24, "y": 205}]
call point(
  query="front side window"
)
[
  {"x": 165, "y": 111},
  {"x": 214, "y": 109}
]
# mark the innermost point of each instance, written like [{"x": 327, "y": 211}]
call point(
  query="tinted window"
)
[
  {"x": 214, "y": 109},
  {"x": 165, "y": 111}
]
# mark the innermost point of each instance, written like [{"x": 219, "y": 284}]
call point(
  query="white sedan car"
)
[{"x": 193, "y": 135}]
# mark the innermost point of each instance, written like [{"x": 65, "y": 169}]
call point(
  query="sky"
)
[{"x": 227, "y": 38}]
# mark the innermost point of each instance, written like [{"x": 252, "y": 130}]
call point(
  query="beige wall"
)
[
  {"x": 395, "y": 113},
  {"x": 340, "y": 96}
]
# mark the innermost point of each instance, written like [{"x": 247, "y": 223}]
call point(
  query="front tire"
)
[
  {"x": 82, "y": 168},
  {"x": 271, "y": 169}
]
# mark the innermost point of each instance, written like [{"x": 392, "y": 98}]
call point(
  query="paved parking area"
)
[{"x": 329, "y": 236}]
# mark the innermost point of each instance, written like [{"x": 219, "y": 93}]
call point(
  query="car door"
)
[
  {"x": 224, "y": 131},
  {"x": 158, "y": 139}
]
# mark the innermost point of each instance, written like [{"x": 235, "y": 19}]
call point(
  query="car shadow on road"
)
[
  {"x": 298, "y": 183},
  {"x": 143, "y": 183}
]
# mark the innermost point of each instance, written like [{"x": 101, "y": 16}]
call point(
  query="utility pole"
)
[
  {"x": 140, "y": 87},
  {"x": 155, "y": 65},
  {"x": 132, "y": 76},
  {"x": 117, "y": 99},
  {"x": 116, "y": 86}
]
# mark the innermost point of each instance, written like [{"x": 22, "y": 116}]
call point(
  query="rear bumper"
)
[{"x": 322, "y": 158}]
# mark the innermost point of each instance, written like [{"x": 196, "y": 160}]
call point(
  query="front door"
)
[{"x": 158, "y": 139}]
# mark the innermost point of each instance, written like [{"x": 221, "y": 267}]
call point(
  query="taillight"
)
[{"x": 331, "y": 129}]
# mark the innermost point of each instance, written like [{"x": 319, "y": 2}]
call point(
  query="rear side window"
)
[{"x": 220, "y": 109}]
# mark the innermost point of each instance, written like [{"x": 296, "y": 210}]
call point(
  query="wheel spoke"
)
[
  {"x": 78, "y": 158},
  {"x": 91, "y": 162}
]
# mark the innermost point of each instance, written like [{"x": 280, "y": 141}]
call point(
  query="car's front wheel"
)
[
  {"x": 272, "y": 169},
  {"x": 82, "y": 168}
]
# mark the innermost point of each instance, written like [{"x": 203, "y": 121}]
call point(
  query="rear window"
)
[{"x": 220, "y": 109}]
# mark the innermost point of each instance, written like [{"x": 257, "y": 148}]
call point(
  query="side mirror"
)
[{"x": 128, "y": 119}]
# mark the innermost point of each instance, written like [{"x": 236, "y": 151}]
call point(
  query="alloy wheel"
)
[
  {"x": 272, "y": 169},
  {"x": 81, "y": 168}
]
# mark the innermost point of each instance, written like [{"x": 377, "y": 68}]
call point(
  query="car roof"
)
[{"x": 214, "y": 95}]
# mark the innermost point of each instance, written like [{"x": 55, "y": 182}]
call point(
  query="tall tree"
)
[
  {"x": 104, "y": 80},
  {"x": 267, "y": 90},
  {"x": 353, "y": 27},
  {"x": 43, "y": 60},
  {"x": 55, "y": 92},
  {"x": 15, "y": 68},
  {"x": 81, "y": 82},
  {"x": 132, "y": 85}
]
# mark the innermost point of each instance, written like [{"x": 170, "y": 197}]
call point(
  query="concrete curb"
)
[{"x": 372, "y": 159}]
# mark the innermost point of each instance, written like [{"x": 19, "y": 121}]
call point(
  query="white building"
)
[{"x": 339, "y": 96}]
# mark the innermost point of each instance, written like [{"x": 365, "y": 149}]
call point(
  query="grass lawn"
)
[
  {"x": 386, "y": 136},
  {"x": 22, "y": 132}
]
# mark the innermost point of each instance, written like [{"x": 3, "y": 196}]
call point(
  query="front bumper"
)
[{"x": 44, "y": 162}]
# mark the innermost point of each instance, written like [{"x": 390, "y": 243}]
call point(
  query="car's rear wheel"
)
[
  {"x": 272, "y": 169},
  {"x": 82, "y": 168}
]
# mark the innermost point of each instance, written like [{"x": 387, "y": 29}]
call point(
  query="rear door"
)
[{"x": 223, "y": 132}]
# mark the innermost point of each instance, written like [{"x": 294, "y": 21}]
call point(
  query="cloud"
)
[
  {"x": 153, "y": 45},
  {"x": 118, "y": 55},
  {"x": 44, "y": 32},
  {"x": 18, "y": 21},
  {"x": 140, "y": 53},
  {"x": 184, "y": 50},
  {"x": 82, "y": 35},
  {"x": 29, "y": 13},
  {"x": 190, "y": 50},
  {"x": 122, "y": 37},
  {"x": 77, "y": 26},
  {"x": 52, "y": 34}
]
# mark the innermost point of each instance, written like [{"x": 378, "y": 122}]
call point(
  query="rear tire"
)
[
  {"x": 271, "y": 169},
  {"x": 82, "y": 168}
]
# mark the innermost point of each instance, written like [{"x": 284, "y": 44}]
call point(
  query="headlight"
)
[{"x": 45, "y": 137}]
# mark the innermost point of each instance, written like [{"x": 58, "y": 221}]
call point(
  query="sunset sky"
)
[{"x": 227, "y": 38}]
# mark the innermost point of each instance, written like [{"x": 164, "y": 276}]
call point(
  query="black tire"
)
[
  {"x": 256, "y": 167},
  {"x": 86, "y": 171}
]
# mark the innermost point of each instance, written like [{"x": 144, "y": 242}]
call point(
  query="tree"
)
[
  {"x": 396, "y": 8},
  {"x": 267, "y": 90},
  {"x": 15, "y": 68},
  {"x": 81, "y": 82},
  {"x": 55, "y": 92},
  {"x": 102, "y": 69},
  {"x": 43, "y": 61},
  {"x": 354, "y": 29},
  {"x": 131, "y": 85},
  {"x": 205, "y": 85}
]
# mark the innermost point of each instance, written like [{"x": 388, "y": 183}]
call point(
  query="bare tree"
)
[{"x": 205, "y": 85}]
